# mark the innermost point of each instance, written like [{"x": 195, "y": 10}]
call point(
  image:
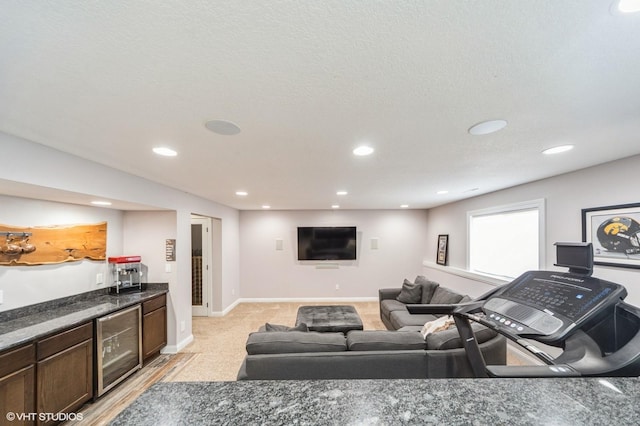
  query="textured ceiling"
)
[{"x": 308, "y": 81}]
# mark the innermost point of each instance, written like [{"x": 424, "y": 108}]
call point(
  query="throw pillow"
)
[
  {"x": 410, "y": 293},
  {"x": 428, "y": 288},
  {"x": 445, "y": 297},
  {"x": 276, "y": 327}
]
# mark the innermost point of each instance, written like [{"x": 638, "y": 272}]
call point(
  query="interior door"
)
[{"x": 200, "y": 265}]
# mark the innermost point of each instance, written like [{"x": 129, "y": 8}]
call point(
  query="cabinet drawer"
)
[
  {"x": 153, "y": 304},
  {"x": 64, "y": 340},
  {"x": 15, "y": 359}
]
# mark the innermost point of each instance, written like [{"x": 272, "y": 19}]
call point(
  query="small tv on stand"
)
[{"x": 578, "y": 257}]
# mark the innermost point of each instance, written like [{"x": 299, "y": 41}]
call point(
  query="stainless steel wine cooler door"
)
[{"x": 119, "y": 347}]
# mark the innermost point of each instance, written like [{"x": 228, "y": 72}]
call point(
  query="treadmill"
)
[{"x": 586, "y": 317}]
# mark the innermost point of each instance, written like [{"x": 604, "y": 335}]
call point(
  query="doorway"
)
[{"x": 201, "y": 285}]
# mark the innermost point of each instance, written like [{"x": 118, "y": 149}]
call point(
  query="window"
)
[{"x": 507, "y": 240}]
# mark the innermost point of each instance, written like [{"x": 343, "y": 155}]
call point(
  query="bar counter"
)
[
  {"x": 26, "y": 324},
  {"x": 568, "y": 401}
]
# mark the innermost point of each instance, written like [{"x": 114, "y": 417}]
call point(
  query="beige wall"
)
[{"x": 268, "y": 273}]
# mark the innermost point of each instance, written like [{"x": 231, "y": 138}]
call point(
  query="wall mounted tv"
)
[{"x": 327, "y": 243}]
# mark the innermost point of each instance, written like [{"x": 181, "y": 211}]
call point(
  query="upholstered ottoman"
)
[{"x": 337, "y": 318}]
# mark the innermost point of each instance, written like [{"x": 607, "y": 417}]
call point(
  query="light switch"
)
[
  {"x": 167, "y": 267},
  {"x": 279, "y": 244}
]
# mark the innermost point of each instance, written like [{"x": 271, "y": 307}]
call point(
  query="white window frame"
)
[{"x": 538, "y": 204}]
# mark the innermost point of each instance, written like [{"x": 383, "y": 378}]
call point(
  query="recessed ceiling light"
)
[
  {"x": 164, "y": 151},
  {"x": 363, "y": 150},
  {"x": 629, "y": 6},
  {"x": 101, "y": 203},
  {"x": 442, "y": 192},
  {"x": 266, "y": 206},
  {"x": 404, "y": 206},
  {"x": 222, "y": 127},
  {"x": 335, "y": 206},
  {"x": 487, "y": 127},
  {"x": 557, "y": 149},
  {"x": 341, "y": 193},
  {"x": 242, "y": 193}
]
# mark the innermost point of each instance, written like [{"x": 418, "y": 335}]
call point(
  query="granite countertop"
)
[
  {"x": 565, "y": 401},
  {"x": 27, "y": 324}
]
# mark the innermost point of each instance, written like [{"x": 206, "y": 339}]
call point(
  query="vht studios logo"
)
[{"x": 43, "y": 417}]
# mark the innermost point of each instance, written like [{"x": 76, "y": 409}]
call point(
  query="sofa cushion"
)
[
  {"x": 402, "y": 318},
  {"x": 389, "y": 305},
  {"x": 428, "y": 288},
  {"x": 445, "y": 296},
  {"x": 277, "y": 342},
  {"x": 410, "y": 293},
  {"x": 277, "y": 327},
  {"x": 378, "y": 340},
  {"x": 450, "y": 339}
]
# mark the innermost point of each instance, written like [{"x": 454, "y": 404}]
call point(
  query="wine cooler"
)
[{"x": 119, "y": 347}]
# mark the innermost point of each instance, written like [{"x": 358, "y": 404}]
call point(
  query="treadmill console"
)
[{"x": 548, "y": 306}]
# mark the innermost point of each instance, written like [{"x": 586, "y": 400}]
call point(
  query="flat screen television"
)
[
  {"x": 578, "y": 257},
  {"x": 326, "y": 243}
]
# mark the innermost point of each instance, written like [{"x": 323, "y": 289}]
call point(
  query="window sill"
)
[{"x": 486, "y": 279}]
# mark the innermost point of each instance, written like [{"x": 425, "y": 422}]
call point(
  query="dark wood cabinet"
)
[
  {"x": 64, "y": 379},
  {"x": 56, "y": 373},
  {"x": 17, "y": 384},
  {"x": 154, "y": 326}
]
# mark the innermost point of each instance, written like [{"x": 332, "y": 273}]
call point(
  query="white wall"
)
[
  {"x": 268, "y": 273},
  {"x": 145, "y": 234},
  {"x": 54, "y": 169},
  {"x": 566, "y": 195},
  {"x": 26, "y": 285}
]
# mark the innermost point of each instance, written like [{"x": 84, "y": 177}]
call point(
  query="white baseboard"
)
[
  {"x": 174, "y": 349},
  {"x": 226, "y": 310},
  {"x": 309, "y": 300},
  {"x": 293, "y": 300}
]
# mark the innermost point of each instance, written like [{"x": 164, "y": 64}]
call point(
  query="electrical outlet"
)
[
  {"x": 337, "y": 287},
  {"x": 167, "y": 267},
  {"x": 99, "y": 279},
  {"x": 1, "y": 297},
  {"x": 182, "y": 326}
]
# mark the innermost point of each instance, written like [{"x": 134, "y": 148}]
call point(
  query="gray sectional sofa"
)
[
  {"x": 370, "y": 354},
  {"x": 394, "y": 301}
]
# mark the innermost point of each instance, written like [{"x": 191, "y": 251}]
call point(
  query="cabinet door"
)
[
  {"x": 154, "y": 332},
  {"x": 17, "y": 395},
  {"x": 17, "y": 383},
  {"x": 65, "y": 379}
]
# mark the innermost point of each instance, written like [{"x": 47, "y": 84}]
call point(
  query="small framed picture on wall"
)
[{"x": 443, "y": 246}]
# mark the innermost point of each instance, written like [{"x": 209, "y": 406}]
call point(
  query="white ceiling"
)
[{"x": 308, "y": 81}]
